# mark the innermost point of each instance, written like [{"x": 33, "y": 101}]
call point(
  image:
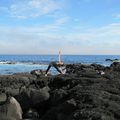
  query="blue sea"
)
[{"x": 10, "y": 64}]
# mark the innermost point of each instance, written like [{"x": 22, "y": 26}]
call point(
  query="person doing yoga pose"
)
[{"x": 58, "y": 65}]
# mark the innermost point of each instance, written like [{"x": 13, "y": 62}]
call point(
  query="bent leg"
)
[
  {"x": 56, "y": 67},
  {"x": 48, "y": 69}
]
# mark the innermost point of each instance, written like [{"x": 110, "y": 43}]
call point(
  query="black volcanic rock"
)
[
  {"x": 83, "y": 93},
  {"x": 115, "y": 66}
]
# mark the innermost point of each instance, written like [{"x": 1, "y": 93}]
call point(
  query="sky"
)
[{"x": 84, "y": 27}]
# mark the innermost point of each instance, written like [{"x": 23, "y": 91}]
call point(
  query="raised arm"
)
[{"x": 59, "y": 58}]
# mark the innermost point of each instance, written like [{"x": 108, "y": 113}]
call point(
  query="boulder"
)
[{"x": 115, "y": 66}]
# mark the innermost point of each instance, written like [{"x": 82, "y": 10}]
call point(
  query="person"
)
[{"x": 59, "y": 65}]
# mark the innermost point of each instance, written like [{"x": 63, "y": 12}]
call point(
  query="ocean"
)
[{"x": 10, "y": 64}]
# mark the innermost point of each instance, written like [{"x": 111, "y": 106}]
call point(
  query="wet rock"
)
[
  {"x": 115, "y": 66},
  {"x": 38, "y": 72},
  {"x": 113, "y": 60},
  {"x": 31, "y": 114},
  {"x": 38, "y": 96}
]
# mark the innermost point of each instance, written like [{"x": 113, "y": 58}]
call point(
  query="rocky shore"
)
[{"x": 85, "y": 92}]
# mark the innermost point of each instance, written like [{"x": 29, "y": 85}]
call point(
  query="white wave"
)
[{"x": 7, "y": 62}]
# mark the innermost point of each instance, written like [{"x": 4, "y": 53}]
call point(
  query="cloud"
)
[
  {"x": 36, "y": 39},
  {"x": 109, "y": 30},
  {"x": 116, "y": 16},
  {"x": 102, "y": 40},
  {"x": 47, "y": 39},
  {"x": 24, "y": 9}
]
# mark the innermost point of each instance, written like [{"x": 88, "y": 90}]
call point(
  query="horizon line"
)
[{"x": 67, "y": 54}]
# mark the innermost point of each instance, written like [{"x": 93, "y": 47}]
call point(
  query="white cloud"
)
[
  {"x": 24, "y": 9},
  {"x": 31, "y": 40},
  {"x": 104, "y": 31},
  {"x": 102, "y": 40},
  {"x": 47, "y": 39},
  {"x": 116, "y": 16}
]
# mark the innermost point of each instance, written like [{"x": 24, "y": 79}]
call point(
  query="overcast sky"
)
[{"x": 45, "y": 26}]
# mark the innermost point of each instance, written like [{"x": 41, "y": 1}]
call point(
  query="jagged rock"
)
[
  {"x": 10, "y": 109},
  {"x": 31, "y": 114},
  {"x": 115, "y": 66},
  {"x": 30, "y": 97},
  {"x": 38, "y": 72},
  {"x": 83, "y": 93}
]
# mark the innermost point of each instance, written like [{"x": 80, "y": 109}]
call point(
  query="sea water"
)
[{"x": 10, "y": 64}]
